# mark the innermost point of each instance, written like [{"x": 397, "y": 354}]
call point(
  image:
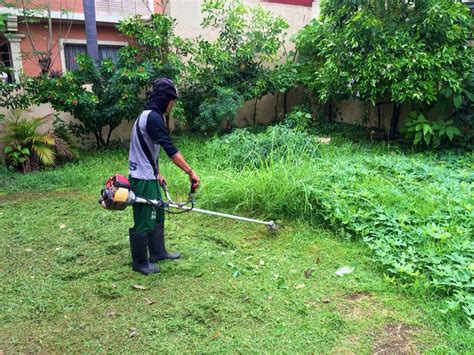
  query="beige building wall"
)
[
  {"x": 48, "y": 113},
  {"x": 355, "y": 112}
]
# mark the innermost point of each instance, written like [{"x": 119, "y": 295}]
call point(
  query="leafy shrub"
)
[
  {"x": 420, "y": 130},
  {"x": 299, "y": 118},
  {"x": 214, "y": 111},
  {"x": 378, "y": 51},
  {"x": 157, "y": 43},
  {"x": 13, "y": 94},
  {"x": 27, "y": 150},
  {"x": 249, "y": 38},
  {"x": 459, "y": 107},
  {"x": 243, "y": 149},
  {"x": 100, "y": 97}
]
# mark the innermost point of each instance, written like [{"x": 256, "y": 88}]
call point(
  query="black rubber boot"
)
[
  {"x": 138, "y": 247},
  {"x": 156, "y": 245}
]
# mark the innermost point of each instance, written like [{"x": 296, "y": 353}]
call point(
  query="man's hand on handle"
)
[
  {"x": 194, "y": 180},
  {"x": 179, "y": 161},
  {"x": 161, "y": 180}
]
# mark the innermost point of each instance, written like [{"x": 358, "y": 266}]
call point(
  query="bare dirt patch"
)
[
  {"x": 396, "y": 339},
  {"x": 358, "y": 305},
  {"x": 358, "y": 296}
]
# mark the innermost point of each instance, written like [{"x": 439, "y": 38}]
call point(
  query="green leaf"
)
[
  {"x": 427, "y": 139},
  {"x": 8, "y": 149},
  {"x": 418, "y": 137},
  {"x": 457, "y": 99},
  {"x": 469, "y": 95},
  {"x": 25, "y": 151},
  {"x": 427, "y": 129},
  {"x": 452, "y": 131}
]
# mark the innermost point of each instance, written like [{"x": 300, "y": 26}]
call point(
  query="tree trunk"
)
[
  {"x": 379, "y": 116},
  {"x": 91, "y": 30},
  {"x": 108, "y": 136},
  {"x": 50, "y": 29},
  {"x": 97, "y": 140},
  {"x": 394, "y": 120},
  {"x": 285, "y": 104}
]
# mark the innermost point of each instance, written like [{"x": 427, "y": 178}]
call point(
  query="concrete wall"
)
[
  {"x": 354, "y": 112},
  {"x": 48, "y": 113}
]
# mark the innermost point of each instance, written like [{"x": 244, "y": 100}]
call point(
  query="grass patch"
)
[{"x": 67, "y": 282}]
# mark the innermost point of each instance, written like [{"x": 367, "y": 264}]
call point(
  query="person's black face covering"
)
[{"x": 163, "y": 92}]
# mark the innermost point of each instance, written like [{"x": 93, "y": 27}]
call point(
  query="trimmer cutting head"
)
[{"x": 272, "y": 227}]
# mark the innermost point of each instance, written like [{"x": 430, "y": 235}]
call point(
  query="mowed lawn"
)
[{"x": 67, "y": 284}]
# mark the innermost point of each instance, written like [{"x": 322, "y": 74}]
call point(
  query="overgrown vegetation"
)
[
  {"x": 234, "y": 67},
  {"x": 243, "y": 149},
  {"x": 394, "y": 52},
  {"x": 411, "y": 52},
  {"x": 415, "y": 212}
]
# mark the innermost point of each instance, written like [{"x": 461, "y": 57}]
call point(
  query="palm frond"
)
[
  {"x": 45, "y": 153},
  {"x": 45, "y": 148}
]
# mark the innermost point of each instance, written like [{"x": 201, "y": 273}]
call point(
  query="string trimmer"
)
[{"x": 117, "y": 195}]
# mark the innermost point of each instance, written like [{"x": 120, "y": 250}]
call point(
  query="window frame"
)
[{"x": 63, "y": 42}]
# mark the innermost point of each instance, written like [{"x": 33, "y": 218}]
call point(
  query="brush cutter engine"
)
[{"x": 117, "y": 195}]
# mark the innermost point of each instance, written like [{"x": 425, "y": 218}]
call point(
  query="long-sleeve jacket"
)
[{"x": 148, "y": 134}]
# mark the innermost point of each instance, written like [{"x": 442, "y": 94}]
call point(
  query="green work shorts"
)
[{"x": 146, "y": 217}]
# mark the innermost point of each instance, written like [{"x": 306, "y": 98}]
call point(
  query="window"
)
[
  {"x": 123, "y": 7},
  {"x": 109, "y": 52},
  {"x": 5, "y": 60},
  {"x": 72, "y": 50}
]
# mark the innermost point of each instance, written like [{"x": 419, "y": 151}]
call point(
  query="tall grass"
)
[{"x": 416, "y": 212}]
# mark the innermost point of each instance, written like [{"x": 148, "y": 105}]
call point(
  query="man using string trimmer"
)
[{"x": 149, "y": 133}]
